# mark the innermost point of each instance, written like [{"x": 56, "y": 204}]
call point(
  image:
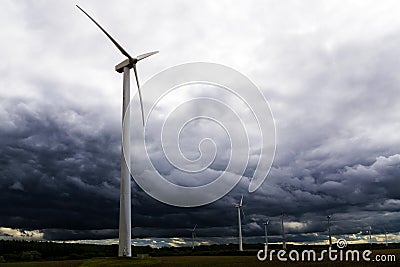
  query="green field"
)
[
  {"x": 200, "y": 261},
  {"x": 46, "y": 254}
]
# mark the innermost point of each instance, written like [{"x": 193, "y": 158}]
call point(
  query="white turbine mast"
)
[
  {"x": 125, "y": 244},
  {"x": 370, "y": 235},
  {"x": 266, "y": 234},
  {"x": 386, "y": 239},
  {"x": 283, "y": 233},
  {"x": 239, "y": 209},
  {"x": 193, "y": 236},
  {"x": 329, "y": 230}
]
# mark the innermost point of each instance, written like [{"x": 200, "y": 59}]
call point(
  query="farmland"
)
[{"x": 16, "y": 254}]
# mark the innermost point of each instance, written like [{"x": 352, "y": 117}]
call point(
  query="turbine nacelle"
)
[
  {"x": 126, "y": 63},
  {"x": 130, "y": 62},
  {"x": 240, "y": 204}
]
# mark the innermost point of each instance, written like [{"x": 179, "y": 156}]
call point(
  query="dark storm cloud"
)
[
  {"x": 68, "y": 234},
  {"x": 53, "y": 173},
  {"x": 337, "y": 148}
]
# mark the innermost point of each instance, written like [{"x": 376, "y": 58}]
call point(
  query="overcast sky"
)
[{"x": 329, "y": 70}]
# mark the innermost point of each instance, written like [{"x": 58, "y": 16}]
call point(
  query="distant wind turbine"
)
[
  {"x": 266, "y": 234},
  {"x": 370, "y": 236},
  {"x": 283, "y": 233},
  {"x": 329, "y": 230},
  {"x": 239, "y": 208},
  {"x": 193, "y": 235},
  {"x": 125, "y": 193},
  {"x": 386, "y": 242}
]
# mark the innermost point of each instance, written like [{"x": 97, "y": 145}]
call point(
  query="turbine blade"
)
[
  {"x": 106, "y": 33},
  {"x": 140, "y": 93},
  {"x": 194, "y": 227},
  {"x": 140, "y": 57},
  {"x": 241, "y": 201}
]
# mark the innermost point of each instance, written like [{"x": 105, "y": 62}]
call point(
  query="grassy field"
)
[
  {"x": 95, "y": 262},
  {"x": 68, "y": 263},
  {"x": 252, "y": 261},
  {"x": 200, "y": 261}
]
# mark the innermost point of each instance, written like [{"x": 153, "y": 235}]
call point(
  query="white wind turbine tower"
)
[
  {"x": 125, "y": 193},
  {"x": 386, "y": 239},
  {"x": 370, "y": 237},
  {"x": 283, "y": 233},
  {"x": 329, "y": 230},
  {"x": 239, "y": 209},
  {"x": 193, "y": 235},
  {"x": 266, "y": 234}
]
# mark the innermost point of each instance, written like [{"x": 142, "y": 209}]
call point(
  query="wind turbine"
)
[
  {"x": 125, "y": 193},
  {"x": 283, "y": 233},
  {"x": 239, "y": 207},
  {"x": 386, "y": 239},
  {"x": 329, "y": 230},
  {"x": 386, "y": 242},
  {"x": 193, "y": 235},
  {"x": 266, "y": 234},
  {"x": 370, "y": 237}
]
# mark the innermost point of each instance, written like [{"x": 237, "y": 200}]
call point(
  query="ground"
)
[{"x": 199, "y": 261}]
